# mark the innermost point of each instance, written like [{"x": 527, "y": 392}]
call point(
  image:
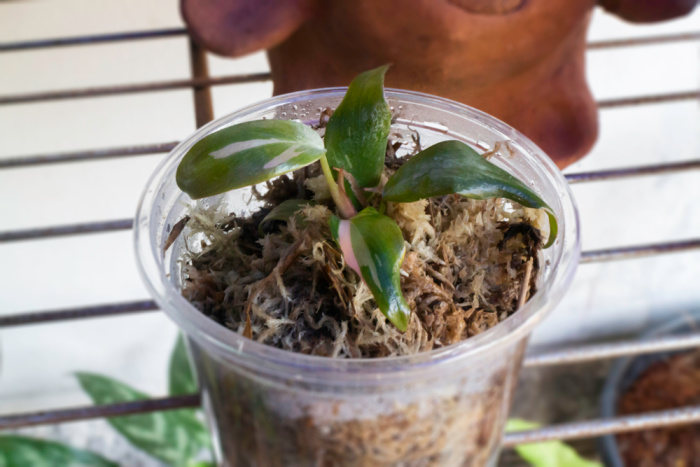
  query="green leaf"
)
[
  {"x": 174, "y": 436},
  {"x": 284, "y": 211},
  {"x": 246, "y": 154},
  {"x": 25, "y": 451},
  {"x": 373, "y": 246},
  {"x": 454, "y": 167},
  {"x": 180, "y": 375},
  {"x": 548, "y": 453},
  {"x": 358, "y": 130}
]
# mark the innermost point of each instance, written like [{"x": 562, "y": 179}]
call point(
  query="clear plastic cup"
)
[{"x": 446, "y": 407}]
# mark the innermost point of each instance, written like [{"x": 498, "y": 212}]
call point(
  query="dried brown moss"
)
[{"x": 463, "y": 272}]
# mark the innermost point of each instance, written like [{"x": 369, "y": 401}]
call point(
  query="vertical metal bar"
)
[{"x": 203, "y": 108}]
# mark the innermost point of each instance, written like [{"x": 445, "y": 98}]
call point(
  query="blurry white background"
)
[{"x": 37, "y": 361}]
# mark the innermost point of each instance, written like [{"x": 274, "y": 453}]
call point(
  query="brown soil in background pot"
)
[{"x": 668, "y": 384}]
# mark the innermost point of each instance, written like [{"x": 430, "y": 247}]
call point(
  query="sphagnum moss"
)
[{"x": 462, "y": 274}]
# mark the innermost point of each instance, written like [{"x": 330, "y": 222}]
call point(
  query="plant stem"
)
[{"x": 345, "y": 207}]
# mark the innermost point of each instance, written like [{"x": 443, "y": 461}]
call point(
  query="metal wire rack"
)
[{"x": 201, "y": 84}]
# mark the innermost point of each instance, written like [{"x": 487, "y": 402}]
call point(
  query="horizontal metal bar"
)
[
  {"x": 99, "y": 411},
  {"x": 600, "y": 427},
  {"x": 176, "y": 32},
  {"x": 63, "y": 230},
  {"x": 128, "y": 151},
  {"x": 132, "y": 88},
  {"x": 631, "y": 252},
  {"x": 90, "y": 155},
  {"x": 661, "y": 39},
  {"x": 78, "y": 313},
  {"x": 611, "y": 254},
  {"x": 650, "y": 99},
  {"x": 612, "y": 350},
  {"x": 265, "y": 76},
  {"x": 92, "y": 39},
  {"x": 567, "y": 431},
  {"x": 614, "y": 174}
]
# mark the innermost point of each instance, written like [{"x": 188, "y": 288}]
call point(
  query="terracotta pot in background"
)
[{"x": 519, "y": 60}]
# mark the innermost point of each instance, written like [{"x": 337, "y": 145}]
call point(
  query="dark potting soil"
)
[{"x": 668, "y": 384}]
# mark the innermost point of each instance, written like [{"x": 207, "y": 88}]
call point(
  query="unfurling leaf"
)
[
  {"x": 181, "y": 380},
  {"x": 284, "y": 211},
  {"x": 373, "y": 246},
  {"x": 25, "y": 451},
  {"x": 548, "y": 453},
  {"x": 246, "y": 154},
  {"x": 174, "y": 436},
  {"x": 454, "y": 167},
  {"x": 358, "y": 130}
]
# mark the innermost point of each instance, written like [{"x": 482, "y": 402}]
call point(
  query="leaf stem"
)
[{"x": 345, "y": 207}]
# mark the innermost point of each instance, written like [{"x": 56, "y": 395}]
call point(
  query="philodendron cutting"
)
[{"x": 352, "y": 158}]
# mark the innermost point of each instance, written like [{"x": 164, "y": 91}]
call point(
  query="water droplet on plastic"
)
[{"x": 437, "y": 126}]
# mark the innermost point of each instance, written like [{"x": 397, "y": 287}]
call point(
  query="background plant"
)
[
  {"x": 352, "y": 160},
  {"x": 178, "y": 438}
]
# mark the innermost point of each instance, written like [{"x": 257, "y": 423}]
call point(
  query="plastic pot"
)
[
  {"x": 625, "y": 372},
  {"x": 269, "y": 407}
]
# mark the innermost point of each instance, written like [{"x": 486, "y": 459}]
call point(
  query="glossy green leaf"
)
[
  {"x": 19, "y": 451},
  {"x": 548, "y": 453},
  {"x": 358, "y": 130},
  {"x": 284, "y": 211},
  {"x": 372, "y": 245},
  {"x": 246, "y": 154},
  {"x": 181, "y": 379},
  {"x": 174, "y": 436},
  {"x": 454, "y": 167}
]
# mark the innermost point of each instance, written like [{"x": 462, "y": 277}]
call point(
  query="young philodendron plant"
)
[{"x": 352, "y": 156}]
